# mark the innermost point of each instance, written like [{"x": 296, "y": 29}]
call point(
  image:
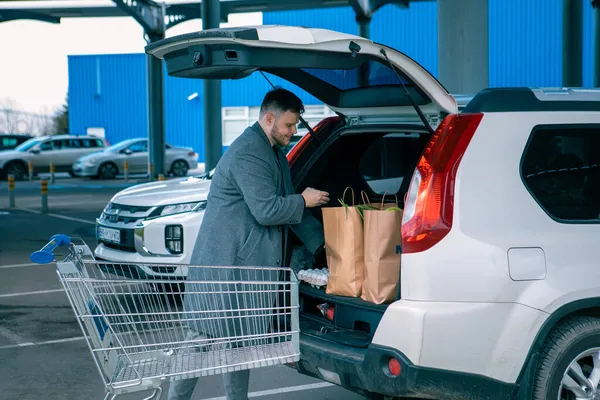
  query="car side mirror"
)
[
  {"x": 35, "y": 151},
  {"x": 127, "y": 151}
]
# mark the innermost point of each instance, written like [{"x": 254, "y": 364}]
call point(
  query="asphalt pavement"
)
[{"x": 43, "y": 352}]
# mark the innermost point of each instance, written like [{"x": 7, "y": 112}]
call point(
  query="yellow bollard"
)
[
  {"x": 30, "y": 166},
  {"x": 11, "y": 191},
  {"x": 151, "y": 174},
  {"x": 51, "y": 173},
  {"x": 44, "y": 195},
  {"x": 161, "y": 177},
  {"x": 126, "y": 170}
]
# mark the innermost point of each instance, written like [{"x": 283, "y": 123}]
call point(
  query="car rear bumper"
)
[{"x": 366, "y": 371}]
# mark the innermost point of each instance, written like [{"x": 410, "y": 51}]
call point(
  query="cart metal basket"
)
[{"x": 141, "y": 334}]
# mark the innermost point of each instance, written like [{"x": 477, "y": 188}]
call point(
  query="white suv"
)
[{"x": 499, "y": 286}]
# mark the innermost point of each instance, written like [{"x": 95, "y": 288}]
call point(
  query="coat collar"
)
[{"x": 258, "y": 129}]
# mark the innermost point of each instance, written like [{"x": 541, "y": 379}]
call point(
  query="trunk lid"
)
[{"x": 357, "y": 84}]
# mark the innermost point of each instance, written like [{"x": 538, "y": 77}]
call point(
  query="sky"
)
[{"x": 33, "y": 64}]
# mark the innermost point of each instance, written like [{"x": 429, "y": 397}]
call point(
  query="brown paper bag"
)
[
  {"x": 383, "y": 239},
  {"x": 344, "y": 249}
]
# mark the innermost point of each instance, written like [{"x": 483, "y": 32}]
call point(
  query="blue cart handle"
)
[{"x": 45, "y": 255}]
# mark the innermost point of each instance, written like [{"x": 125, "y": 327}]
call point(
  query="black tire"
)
[
  {"x": 179, "y": 168},
  {"x": 17, "y": 169},
  {"x": 108, "y": 171},
  {"x": 566, "y": 350}
]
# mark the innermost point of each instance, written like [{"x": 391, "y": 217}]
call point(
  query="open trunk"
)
[{"x": 373, "y": 158}]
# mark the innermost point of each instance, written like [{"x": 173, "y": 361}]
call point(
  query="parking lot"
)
[{"x": 44, "y": 355}]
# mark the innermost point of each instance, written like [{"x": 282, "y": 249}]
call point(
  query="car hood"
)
[
  {"x": 161, "y": 193},
  {"x": 95, "y": 156},
  {"x": 11, "y": 155}
]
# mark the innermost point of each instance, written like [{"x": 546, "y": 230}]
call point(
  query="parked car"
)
[
  {"x": 9, "y": 141},
  {"x": 60, "y": 150},
  {"x": 499, "y": 296},
  {"x": 110, "y": 162}
]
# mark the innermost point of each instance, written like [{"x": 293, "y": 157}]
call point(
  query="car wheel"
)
[
  {"x": 17, "y": 170},
  {"x": 107, "y": 171},
  {"x": 569, "y": 364},
  {"x": 179, "y": 168}
]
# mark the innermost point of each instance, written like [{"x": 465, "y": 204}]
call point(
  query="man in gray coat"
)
[{"x": 251, "y": 207}]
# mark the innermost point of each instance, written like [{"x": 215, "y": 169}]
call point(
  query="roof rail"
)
[{"x": 526, "y": 99}]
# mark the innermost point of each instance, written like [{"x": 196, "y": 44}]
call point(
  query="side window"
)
[
  {"x": 139, "y": 147},
  {"x": 97, "y": 143},
  {"x": 561, "y": 169},
  {"x": 76, "y": 143},
  {"x": 47, "y": 146},
  {"x": 387, "y": 165},
  {"x": 9, "y": 142}
]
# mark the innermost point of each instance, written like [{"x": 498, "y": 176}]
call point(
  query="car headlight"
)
[
  {"x": 183, "y": 207},
  {"x": 90, "y": 163}
]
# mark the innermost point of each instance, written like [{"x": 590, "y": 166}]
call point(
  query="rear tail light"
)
[
  {"x": 429, "y": 206},
  {"x": 394, "y": 367},
  {"x": 192, "y": 154}
]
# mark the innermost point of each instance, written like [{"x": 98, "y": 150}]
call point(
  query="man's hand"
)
[{"x": 314, "y": 197}]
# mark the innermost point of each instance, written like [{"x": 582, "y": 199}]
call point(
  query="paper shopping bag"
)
[
  {"x": 382, "y": 238},
  {"x": 344, "y": 248}
]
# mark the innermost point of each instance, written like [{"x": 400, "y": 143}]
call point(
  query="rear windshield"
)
[{"x": 378, "y": 74}]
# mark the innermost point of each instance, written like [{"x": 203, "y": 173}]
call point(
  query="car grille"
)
[
  {"x": 164, "y": 270},
  {"x": 118, "y": 213}
]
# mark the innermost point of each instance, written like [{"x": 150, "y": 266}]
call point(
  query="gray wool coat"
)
[{"x": 251, "y": 208}]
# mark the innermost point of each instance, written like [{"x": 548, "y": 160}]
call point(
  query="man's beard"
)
[{"x": 278, "y": 138}]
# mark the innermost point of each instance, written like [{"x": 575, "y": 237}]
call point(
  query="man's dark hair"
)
[{"x": 280, "y": 100}]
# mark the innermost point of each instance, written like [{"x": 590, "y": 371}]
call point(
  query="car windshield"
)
[
  {"x": 121, "y": 145},
  {"x": 28, "y": 144}
]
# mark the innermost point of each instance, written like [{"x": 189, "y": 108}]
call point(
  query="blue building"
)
[{"x": 108, "y": 93}]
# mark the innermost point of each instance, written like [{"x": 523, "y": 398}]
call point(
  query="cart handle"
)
[{"x": 45, "y": 255}]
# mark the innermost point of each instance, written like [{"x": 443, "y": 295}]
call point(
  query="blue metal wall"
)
[{"x": 525, "y": 49}]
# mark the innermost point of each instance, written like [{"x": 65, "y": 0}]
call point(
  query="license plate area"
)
[{"x": 109, "y": 234}]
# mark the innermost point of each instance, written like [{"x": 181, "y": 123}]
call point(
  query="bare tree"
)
[{"x": 10, "y": 115}]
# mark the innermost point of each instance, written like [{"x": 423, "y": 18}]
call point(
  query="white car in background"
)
[
  {"x": 110, "y": 162},
  {"x": 156, "y": 222}
]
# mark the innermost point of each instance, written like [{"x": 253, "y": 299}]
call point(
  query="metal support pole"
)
[
  {"x": 463, "y": 49},
  {"x": 151, "y": 172},
  {"x": 596, "y": 5},
  {"x": 126, "y": 170},
  {"x": 11, "y": 191},
  {"x": 51, "y": 173},
  {"x": 213, "y": 137},
  {"x": 572, "y": 43},
  {"x": 156, "y": 120},
  {"x": 30, "y": 170},
  {"x": 45, "y": 195}
]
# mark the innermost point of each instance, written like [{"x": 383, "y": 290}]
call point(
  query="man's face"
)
[{"x": 284, "y": 127}]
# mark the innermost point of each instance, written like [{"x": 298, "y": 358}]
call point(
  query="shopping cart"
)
[{"x": 230, "y": 319}]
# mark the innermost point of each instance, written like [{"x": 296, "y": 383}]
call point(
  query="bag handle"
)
[
  {"x": 364, "y": 196},
  {"x": 383, "y": 200},
  {"x": 344, "y": 195}
]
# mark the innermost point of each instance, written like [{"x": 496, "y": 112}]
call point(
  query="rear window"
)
[
  {"x": 377, "y": 74},
  {"x": 389, "y": 162},
  {"x": 561, "y": 170}
]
